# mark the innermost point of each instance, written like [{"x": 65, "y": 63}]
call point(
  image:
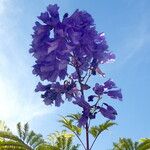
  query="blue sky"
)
[{"x": 126, "y": 24}]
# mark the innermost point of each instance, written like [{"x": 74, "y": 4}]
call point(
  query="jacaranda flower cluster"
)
[{"x": 72, "y": 42}]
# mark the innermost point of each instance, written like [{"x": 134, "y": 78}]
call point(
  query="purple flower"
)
[
  {"x": 110, "y": 84},
  {"x": 51, "y": 97},
  {"x": 82, "y": 103},
  {"x": 108, "y": 112},
  {"x": 45, "y": 18},
  {"x": 86, "y": 109},
  {"x": 116, "y": 94},
  {"x": 74, "y": 75},
  {"x": 98, "y": 89},
  {"x": 70, "y": 90},
  {"x": 90, "y": 98},
  {"x": 94, "y": 65},
  {"x": 41, "y": 87},
  {"x": 53, "y": 10},
  {"x": 107, "y": 88},
  {"x": 53, "y": 93},
  {"x": 85, "y": 87}
]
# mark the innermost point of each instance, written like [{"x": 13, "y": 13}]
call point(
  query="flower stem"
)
[
  {"x": 87, "y": 136},
  {"x": 82, "y": 92}
]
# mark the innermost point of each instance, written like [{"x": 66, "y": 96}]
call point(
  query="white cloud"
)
[
  {"x": 18, "y": 102},
  {"x": 4, "y": 5},
  {"x": 136, "y": 41},
  {"x": 15, "y": 107}
]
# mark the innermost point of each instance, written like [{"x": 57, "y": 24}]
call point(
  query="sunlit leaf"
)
[{"x": 96, "y": 130}]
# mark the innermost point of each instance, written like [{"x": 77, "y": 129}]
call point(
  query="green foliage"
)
[
  {"x": 144, "y": 144},
  {"x": 29, "y": 137},
  {"x": 11, "y": 145},
  {"x": 19, "y": 129},
  {"x": 26, "y": 131},
  {"x": 69, "y": 121},
  {"x": 96, "y": 130},
  {"x": 74, "y": 116},
  {"x": 36, "y": 140},
  {"x": 128, "y": 144},
  {"x": 124, "y": 144},
  {"x": 62, "y": 141},
  {"x": 29, "y": 140},
  {"x": 10, "y": 136},
  {"x": 3, "y": 126},
  {"x": 10, "y": 140},
  {"x": 25, "y": 139},
  {"x": 47, "y": 147}
]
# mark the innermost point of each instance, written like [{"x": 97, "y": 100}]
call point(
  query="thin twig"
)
[
  {"x": 79, "y": 139},
  {"x": 94, "y": 141},
  {"x": 88, "y": 78}
]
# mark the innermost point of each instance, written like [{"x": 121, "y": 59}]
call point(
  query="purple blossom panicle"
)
[
  {"x": 57, "y": 42},
  {"x": 59, "y": 45}
]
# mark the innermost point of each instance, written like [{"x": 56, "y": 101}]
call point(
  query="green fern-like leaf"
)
[
  {"x": 47, "y": 147},
  {"x": 96, "y": 130},
  {"x": 19, "y": 129},
  {"x": 10, "y": 137},
  {"x": 30, "y": 136},
  {"x": 35, "y": 139},
  {"x": 25, "y": 132},
  {"x": 3, "y": 127},
  {"x": 126, "y": 144},
  {"x": 74, "y": 116},
  {"x": 39, "y": 142},
  {"x": 62, "y": 141},
  {"x": 144, "y": 144},
  {"x": 68, "y": 123},
  {"x": 12, "y": 145}
]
